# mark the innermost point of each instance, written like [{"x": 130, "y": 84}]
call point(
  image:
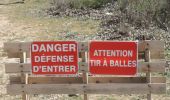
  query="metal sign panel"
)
[
  {"x": 59, "y": 57},
  {"x": 113, "y": 58}
]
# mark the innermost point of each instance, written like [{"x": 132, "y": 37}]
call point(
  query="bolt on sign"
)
[
  {"x": 113, "y": 58},
  {"x": 60, "y": 57}
]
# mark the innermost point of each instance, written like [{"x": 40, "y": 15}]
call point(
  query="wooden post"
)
[
  {"x": 85, "y": 74},
  {"x": 23, "y": 76},
  {"x": 83, "y": 48},
  {"x": 148, "y": 74}
]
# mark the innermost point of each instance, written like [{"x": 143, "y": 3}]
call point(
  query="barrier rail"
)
[{"x": 150, "y": 59}]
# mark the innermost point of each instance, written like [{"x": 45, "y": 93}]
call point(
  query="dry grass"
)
[{"x": 33, "y": 14}]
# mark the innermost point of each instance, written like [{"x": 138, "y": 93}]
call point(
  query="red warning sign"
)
[
  {"x": 113, "y": 58},
  {"x": 59, "y": 57}
]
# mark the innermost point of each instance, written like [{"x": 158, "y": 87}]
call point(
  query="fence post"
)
[
  {"x": 23, "y": 76},
  {"x": 85, "y": 74},
  {"x": 148, "y": 74},
  {"x": 83, "y": 49}
]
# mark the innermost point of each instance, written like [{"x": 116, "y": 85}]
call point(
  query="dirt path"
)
[
  {"x": 13, "y": 31},
  {"x": 10, "y": 31}
]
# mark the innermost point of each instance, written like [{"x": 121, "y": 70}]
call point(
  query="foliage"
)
[
  {"x": 148, "y": 11},
  {"x": 77, "y": 4}
]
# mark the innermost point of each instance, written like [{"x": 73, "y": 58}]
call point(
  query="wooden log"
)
[
  {"x": 156, "y": 48},
  {"x": 155, "y": 66},
  {"x": 148, "y": 73},
  {"x": 155, "y": 45},
  {"x": 16, "y": 47},
  {"x": 114, "y": 88},
  {"x": 45, "y": 89},
  {"x": 16, "y": 67},
  {"x": 83, "y": 48},
  {"x": 79, "y": 80},
  {"x": 23, "y": 77},
  {"x": 125, "y": 88}
]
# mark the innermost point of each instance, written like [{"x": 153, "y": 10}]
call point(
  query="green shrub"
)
[
  {"x": 147, "y": 11},
  {"x": 77, "y": 4},
  {"x": 94, "y": 3}
]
